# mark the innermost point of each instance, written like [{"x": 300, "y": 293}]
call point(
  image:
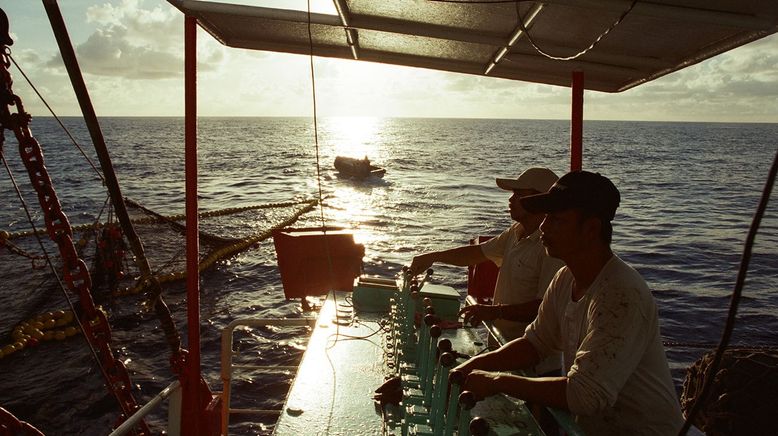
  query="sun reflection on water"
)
[
  {"x": 355, "y": 204},
  {"x": 355, "y": 137},
  {"x": 354, "y": 207}
]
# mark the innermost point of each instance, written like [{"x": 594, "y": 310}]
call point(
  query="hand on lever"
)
[
  {"x": 482, "y": 383},
  {"x": 390, "y": 392},
  {"x": 421, "y": 263},
  {"x": 477, "y": 313}
]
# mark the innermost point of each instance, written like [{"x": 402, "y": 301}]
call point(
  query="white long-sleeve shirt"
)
[
  {"x": 619, "y": 382},
  {"x": 525, "y": 273}
]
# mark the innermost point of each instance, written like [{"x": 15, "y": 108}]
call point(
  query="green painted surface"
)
[
  {"x": 345, "y": 362},
  {"x": 445, "y": 300},
  {"x": 371, "y": 298}
]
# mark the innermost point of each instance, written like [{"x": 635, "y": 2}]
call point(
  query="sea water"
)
[{"x": 689, "y": 191}]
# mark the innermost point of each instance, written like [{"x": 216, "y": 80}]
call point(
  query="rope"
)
[
  {"x": 580, "y": 53},
  {"x": 75, "y": 273},
  {"x": 671, "y": 344},
  {"x": 158, "y": 218},
  {"x": 315, "y": 118},
  {"x": 160, "y": 307},
  {"x": 181, "y": 228},
  {"x": 735, "y": 300},
  {"x": 318, "y": 165},
  {"x": 41, "y": 327},
  {"x": 224, "y": 252},
  {"x": 529, "y": 37},
  {"x": 24, "y": 334},
  {"x": 15, "y": 249},
  {"x": 72, "y": 139},
  {"x": 742, "y": 399},
  {"x": 23, "y": 342}
]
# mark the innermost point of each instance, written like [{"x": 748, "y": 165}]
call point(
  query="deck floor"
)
[{"x": 343, "y": 365}]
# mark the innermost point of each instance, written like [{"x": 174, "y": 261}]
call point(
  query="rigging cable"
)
[
  {"x": 67, "y": 132},
  {"x": 580, "y": 53},
  {"x": 321, "y": 213},
  {"x": 51, "y": 266},
  {"x": 526, "y": 32},
  {"x": 315, "y": 116},
  {"x": 735, "y": 300},
  {"x": 96, "y": 328},
  {"x": 328, "y": 253}
]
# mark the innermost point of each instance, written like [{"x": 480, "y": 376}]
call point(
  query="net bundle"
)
[
  {"x": 742, "y": 400},
  {"x": 223, "y": 233},
  {"x": 38, "y": 306}
]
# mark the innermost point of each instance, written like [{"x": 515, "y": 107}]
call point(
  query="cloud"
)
[
  {"x": 28, "y": 57},
  {"x": 134, "y": 42},
  {"x": 144, "y": 27},
  {"x": 131, "y": 54},
  {"x": 108, "y": 52}
]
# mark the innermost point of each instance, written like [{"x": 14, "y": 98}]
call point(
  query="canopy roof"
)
[{"x": 638, "y": 41}]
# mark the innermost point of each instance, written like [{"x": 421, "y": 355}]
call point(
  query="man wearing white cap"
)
[{"x": 525, "y": 269}]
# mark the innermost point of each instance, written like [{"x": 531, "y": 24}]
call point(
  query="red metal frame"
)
[
  {"x": 191, "y": 391},
  {"x": 576, "y": 122}
]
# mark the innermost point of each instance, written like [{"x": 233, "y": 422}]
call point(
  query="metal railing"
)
[
  {"x": 173, "y": 391},
  {"x": 227, "y": 353}
]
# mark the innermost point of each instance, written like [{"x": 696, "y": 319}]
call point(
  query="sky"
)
[{"x": 130, "y": 52}]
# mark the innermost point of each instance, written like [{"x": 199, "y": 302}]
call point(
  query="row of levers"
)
[{"x": 423, "y": 394}]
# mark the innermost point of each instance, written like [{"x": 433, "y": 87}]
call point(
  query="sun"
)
[{"x": 356, "y": 137}]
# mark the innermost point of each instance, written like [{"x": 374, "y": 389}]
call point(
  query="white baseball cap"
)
[{"x": 538, "y": 179}]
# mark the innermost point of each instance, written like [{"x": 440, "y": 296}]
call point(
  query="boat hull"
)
[{"x": 357, "y": 168}]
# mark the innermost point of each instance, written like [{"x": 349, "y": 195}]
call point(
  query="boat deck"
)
[{"x": 346, "y": 361}]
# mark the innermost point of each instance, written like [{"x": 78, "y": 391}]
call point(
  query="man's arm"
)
[
  {"x": 516, "y": 355},
  {"x": 460, "y": 256},
  {"x": 523, "y": 312},
  {"x": 548, "y": 391},
  {"x": 484, "y": 379}
]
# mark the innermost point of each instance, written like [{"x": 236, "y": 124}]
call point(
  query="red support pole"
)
[
  {"x": 191, "y": 413},
  {"x": 576, "y": 122}
]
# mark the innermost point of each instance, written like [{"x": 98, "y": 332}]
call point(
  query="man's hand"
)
[
  {"x": 476, "y": 313},
  {"x": 482, "y": 383},
  {"x": 421, "y": 262}
]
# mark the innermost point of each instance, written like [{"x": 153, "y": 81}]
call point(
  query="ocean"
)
[{"x": 689, "y": 191}]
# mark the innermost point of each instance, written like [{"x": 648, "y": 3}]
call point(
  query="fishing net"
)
[
  {"x": 36, "y": 296},
  {"x": 742, "y": 400},
  {"x": 223, "y": 233}
]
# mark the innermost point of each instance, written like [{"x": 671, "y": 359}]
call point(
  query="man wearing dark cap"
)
[{"x": 600, "y": 313}]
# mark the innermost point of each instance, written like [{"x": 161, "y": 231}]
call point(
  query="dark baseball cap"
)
[{"x": 585, "y": 190}]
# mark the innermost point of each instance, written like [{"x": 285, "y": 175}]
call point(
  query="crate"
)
[{"x": 314, "y": 261}]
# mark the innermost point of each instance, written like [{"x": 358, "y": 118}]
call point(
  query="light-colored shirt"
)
[
  {"x": 618, "y": 380},
  {"x": 525, "y": 273}
]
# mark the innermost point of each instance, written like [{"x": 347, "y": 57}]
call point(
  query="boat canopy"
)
[{"x": 636, "y": 41}]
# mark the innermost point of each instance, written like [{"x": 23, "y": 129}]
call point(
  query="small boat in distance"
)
[{"x": 357, "y": 168}]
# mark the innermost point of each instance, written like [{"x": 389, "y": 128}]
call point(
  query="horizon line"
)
[{"x": 414, "y": 118}]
